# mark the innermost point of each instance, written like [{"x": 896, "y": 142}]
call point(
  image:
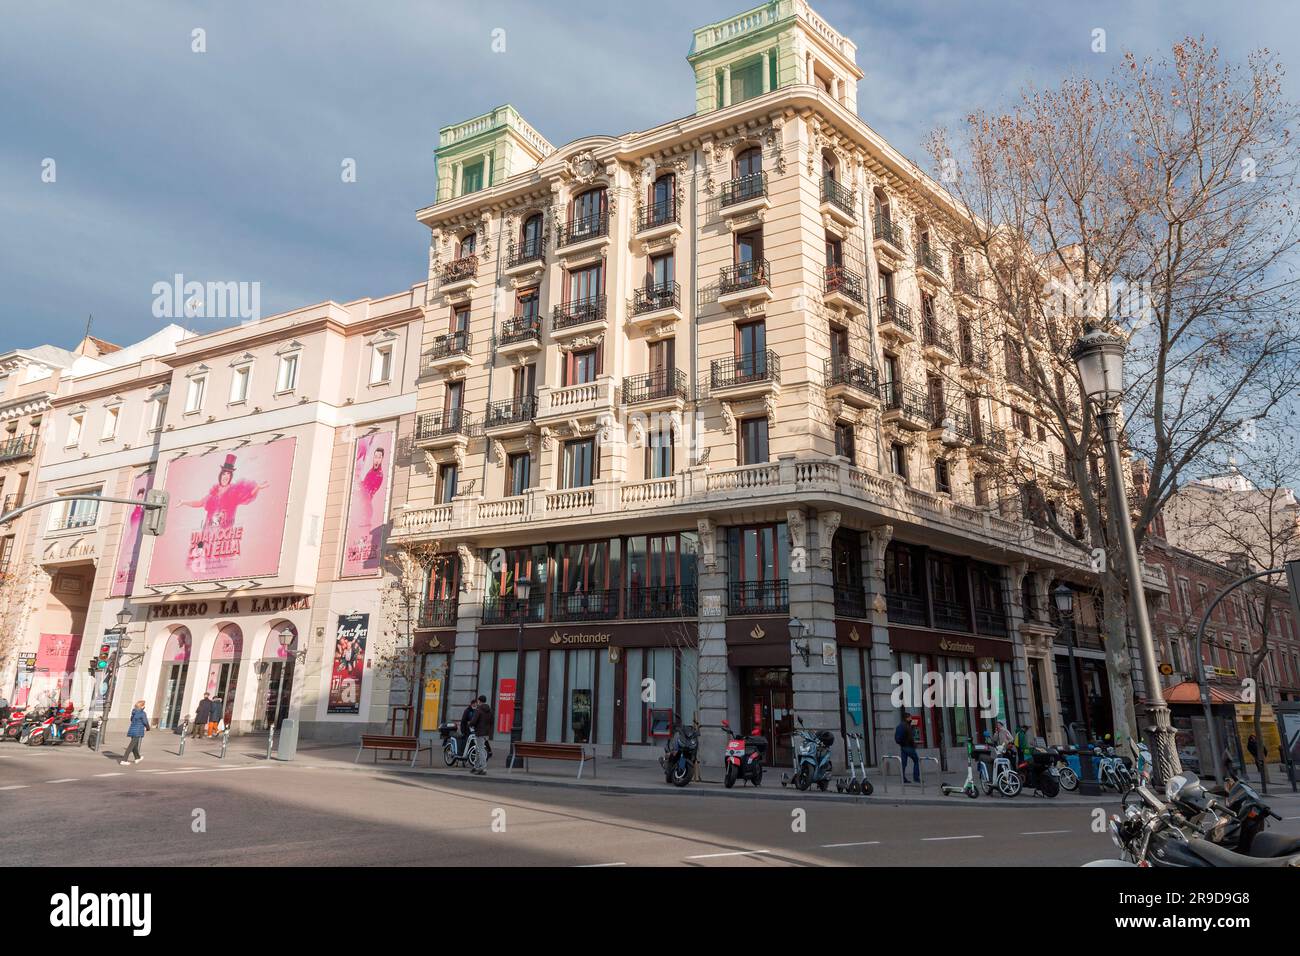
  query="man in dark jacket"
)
[
  {"x": 482, "y": 735},
  {"x": 905, "y": 737},
  {"x": 201, "y": 716},
  {"x": 466, "y": 721}
]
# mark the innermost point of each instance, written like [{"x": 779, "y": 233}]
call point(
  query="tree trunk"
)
[{"x": 1119, "y": 662}]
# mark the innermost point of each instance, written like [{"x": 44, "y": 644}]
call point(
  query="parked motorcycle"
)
[
  {"x": 743, "y": 757},
  {"x": 1038, "y": 772},
  {"x": 13, "y": 724},
  {"x": 455, "y": 750},
  {"x": 1065, "y": 774},
  {"x": 680, "y": 754},
  {"x": 54, "y": 730},
  {"x": 812, "y": 758}
]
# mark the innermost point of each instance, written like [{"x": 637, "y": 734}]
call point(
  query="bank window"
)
[
  {"x": 239, "y": 380},
  {"x": 287, "y": 379},
  {"x": 381, "y": 364},
  {"x": 519, "y": 469},
  {"x": 674, "y": 677},
  {"x": 581, "y": 466},
  {"x": 75, "y": 424},
  {"x": 751, "y": 441}
]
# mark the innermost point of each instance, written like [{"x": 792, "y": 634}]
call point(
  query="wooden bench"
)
[
  {"x": 404, "y": 745},
  {"x": 544, "y": 751}
]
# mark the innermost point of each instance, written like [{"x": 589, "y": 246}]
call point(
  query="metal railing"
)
[
  {"x": 445, "y": 346},
  {"x": 966, "y": 284},
  {"x": 841, "y": 280},
  {"x": 466, "y": 267},
  {"x": 74, "y": 521},
  {"x": 21, "y": 446},
  {"x": 935, "y": 336},
  {"x": 885, "y": 229},
  {"x": 745, "y": 369},
  {"x": 596, "y": 605},
  {"x": 508, "y": 610},
  {"x": 853, "y": 372},
  {"x": 850, "y": 600},
  {"x": 955, "y": 419},
  {"x": 10, "y": 503},
  {"x": 992, "y": 438},
  {"x": 664, "y": 383},
  {"x": 660, "y": 601},
  {"x": 906, "y": 609},
  {"x": 990, "y": 621},
  {"x": 743, "y": 275},
  {"x": 839, "y": 195},
  {"x": 894, "y": 312},
  {"x": 510, "y": 411},
  {"x": 658, "y": 214},
  {"x": 520, "y": 328},
  {"x": 452, "y": 421},
  {"x": 974, "y": 356},
  {"x": 950, "y": 615},
  {"x": 581, "y": 228},
  {"x": 743, "y": 189},
  {"x": 912, "y": 402},
  {"x": 652, "y": 298},
  {"x": 927, "y": 258},
  {"x": 577, "y": 312},
  {"x": 438, "y": 614},
  {"x": 759, "y": 597},
  {"x": 526, "y": 250}
]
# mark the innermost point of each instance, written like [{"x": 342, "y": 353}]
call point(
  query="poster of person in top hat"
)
[{"x": 227, "y": 516}]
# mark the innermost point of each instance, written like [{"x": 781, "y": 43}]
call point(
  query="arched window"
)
[
  {"x": 749, "y": 162},
  {"x": 589, "y": 206},
  {"x": 881, "y": 204},
  {"x": 530, "y": 238},
  {"x": 663, "y": 201},
  {"x": 830, "y": 168},
  {"x": 467, "y": 246}
]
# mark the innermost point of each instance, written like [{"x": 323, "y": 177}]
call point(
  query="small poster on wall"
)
[{"x": 349, "y": 664}]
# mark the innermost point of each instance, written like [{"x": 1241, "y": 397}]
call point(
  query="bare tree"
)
[
  {"x": 407, "y": 570},
  {"x": 1157, "y": 203},
  {"x": 18, "y": 583}
]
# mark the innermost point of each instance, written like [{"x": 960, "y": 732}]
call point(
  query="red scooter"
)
[{"x": 743, "y": 757}]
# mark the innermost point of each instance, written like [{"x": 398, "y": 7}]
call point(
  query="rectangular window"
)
[
  {"x": 381, "y": 364},
  {"x": 519, "y": 471},
  {"x": 471, "y": 178},
  {"x": 239, "y": 384},
  {"x": 580, "y": 467},
  {"x": 581, "y": 368},
  {"x": 75, "y": 513},
  {"x": 898, "y": 459},
  {"x": 446, "y": 483},
  {"x": 75, "y": 424},
  {"x": 159, "y": 414},
  {"x": 528, "y": 305},
  {"x": 942, "y": 478},
  {"x": 659, "y": 453},
  {"x": 287, "y": 380},
  {"x": 752, "y": 441},
  {"x": 111, "y": 416},
  {"x": 197, "y": 391},
  {"x": 844, "y": 443}
]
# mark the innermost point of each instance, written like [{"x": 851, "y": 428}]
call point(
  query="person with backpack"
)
[
  {"x": 482, "y": 727},
  {"x": 905, "y": 737}
]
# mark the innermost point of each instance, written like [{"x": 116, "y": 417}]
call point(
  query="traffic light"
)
[
  {"x": 155, "y": 519},
  {"x": 105, "y": 651}
]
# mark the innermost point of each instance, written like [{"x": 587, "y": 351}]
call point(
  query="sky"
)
[{"x": 226, "y": 165}]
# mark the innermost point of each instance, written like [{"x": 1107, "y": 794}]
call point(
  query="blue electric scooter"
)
[{"x": 812, "y": 758}]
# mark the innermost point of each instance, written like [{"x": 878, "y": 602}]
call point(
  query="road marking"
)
[
  {"x": 714, "y": 856},
  {"x": 115, "y": 773},
  {"x": 1291, "y": 818},
  {"x": 63, "y": 780},
  {"x": 1042, "y": 832},
  {"x": 827, "y": 846},
  {"x": 17, "y": 786},
  {"x": 973, "y": 836},
  {"x": 585, "y": 866},
  {"x": 211, "y": 769}
]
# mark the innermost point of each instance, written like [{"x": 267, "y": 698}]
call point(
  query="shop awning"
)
[{"x": 1189, "y": 692}]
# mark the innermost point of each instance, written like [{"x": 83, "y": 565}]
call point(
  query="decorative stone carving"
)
[
  {"x": 827, "y": 523},
  {"x": 467, "y": 565},
  {"x": 498, "y": 452},
  {"x": 707, "y": 149},
  {"x": 484, "y": 245},
  {"x": 728, "y": 419},
  {"x": 878, "y": 539},
  {"x": 458, "y": 453},
  {"x": 708, "y": 544},
  {"x": 796, "y": 527},
  {"x": 769, "y": 405},
  {"x": 582, "y": 166},
  {"x": 546, "y": 439}
]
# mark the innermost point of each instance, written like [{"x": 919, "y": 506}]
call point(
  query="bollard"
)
[
  {"x": 225, "y": 740},
  {"x": 288, "y": 739},
  {"x": 181, "y": 752}
]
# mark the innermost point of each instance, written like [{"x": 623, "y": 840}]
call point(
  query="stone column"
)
[
  {"x": 1019, "y": 693},
  {"x": 883, "y": 714},
  {"x": 463, "y": 680},
  {"x": 766, "y": 68},
  {"x": 812, "y": 600},
  {"x": 726, "y": 86},
  {"x": 713, "y": 674}
]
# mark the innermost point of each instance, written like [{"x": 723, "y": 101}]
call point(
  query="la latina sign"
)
[{"x": 254, "y": 605}]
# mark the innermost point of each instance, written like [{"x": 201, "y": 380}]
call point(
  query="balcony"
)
[
  {"x": 666, "y": 389},
  {"x": 745, "y": 282},
  {"x": 459, "y": 275},
  {"x": 658, "y": 220},
  {"x": 510, "y": 610},
  {"x": 597, "y": 605},
  {"x": 887, "y": 236},
  {"x": 928, "y": 262},
  {"x": 839, "y": 203},
  {"x": 905, "y": 406},
  {"x": 444, "y": 429},
  {"x": 745, "y": 376},
  {"x": 583, "y": 230},
  {"x": 580, "y": 315},
  {"x": 843, "y": 288},
  {"x": 989, "y": 443},
  {"x": 520, "y": 333},
  {"x": 966, "y": 286},
  {"x": 952, "y": 426},
  {"x": 510, "y": 417},
  {"x": 852, "y": 381},
  {"x": 850, "y": 601},
  {"x": 1022, "y": 380},
  {"x": 448, "y": 351},
  {"x": 526, "y": 256},
  {"x": 758, "y": 597},
  {"x": 437, "y": 614},
  {"x": 587, "y": 400},
  {"x": 660, "y": 601},
  {"x": 1058, "y": 471},
  {"x": 906, "y": 609},
  {"x": 895, "y": 320},
  {"x": 655, "y": 304},
  {"x": 12, "y": 449},
  {"x": 10, "y": 503},
  {"x": 743, "y": 196},
  {"x": 975, "y": 363},
  {"x": 936, "y": 343}
]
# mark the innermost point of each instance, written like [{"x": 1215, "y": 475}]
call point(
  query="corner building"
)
[{"x": 696, "y": 381}]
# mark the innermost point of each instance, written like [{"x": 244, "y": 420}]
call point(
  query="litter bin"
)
[{"x": 287, "y": 745}]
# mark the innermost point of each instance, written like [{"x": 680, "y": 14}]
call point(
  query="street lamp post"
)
[
  {"x": 119, "y": 656},
  {"x": 1063, "y": 595},
  {"x": 523, "y": 588},
  {"x": 1100, "y": 359},
  {"x": 286, "y": 637}
]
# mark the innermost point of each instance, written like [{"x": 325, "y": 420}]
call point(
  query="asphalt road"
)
[{"x": 66, "y": 807}]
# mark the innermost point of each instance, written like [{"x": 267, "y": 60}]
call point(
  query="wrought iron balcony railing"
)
[
  {"x": 887, "y": 230},
  {"x": 928, "y": 258},
  {"x": 956, "y": 420},
  {"x": 578, "y": 312},
  {"x": 510, "y": 610},
  {"x": 666, "y": 295},
  {"x": 850, "y": 600},
  {"x": 661, "y": 213},
  {"x": 581, "y": 228},
  {"x": 839, "y": 195},
  {"x": 743, "y": 275},
  {"x": 841, "y": 280},
  {"x": 974, "y": 356},
  {"x": 743, "y": 189},
  {"x": 895, "y": 312},
  {"x": 759, "y": 597},
  {"x": 510, "y": 411},
  {"x": 935, "y": 336},
  {"x": 664, "y": 383},
  {"x": 846, "y": 370},
  {"x": 438, "y": 614},
  {"x": 451, "y": 421},
  {"x": 912, "y": 402},
  {"x": 745, "y": 369},
  {"x": 525, "y": 251},
  {"x": 994, "y": 439},
  {"x": 445, "y": 346},
  {"x": 520, "y": 328},
  {"x": 966, "y": 284},
  {"x": 21, "y": 446},
  {"x": 466, "y": 267},
  {"x": 596, "y": 605},
  {"x": 660, "y": 601}
]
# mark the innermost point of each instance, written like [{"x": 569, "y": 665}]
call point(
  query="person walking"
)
[
  {"x": 139, "y": 727},
  {"x": 201, "y": 715},
  {"x": 905, "y": 737},
  {"x": 1258, "y": 753},
  {"x": 482, "y": 727},
  {"x": 215, "y": 712},
  {"x": 466, "y": 721}
]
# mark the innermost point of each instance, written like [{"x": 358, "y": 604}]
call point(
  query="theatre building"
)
[
  {"x": 711, "y": 421},
  {"x": 281, "y": 444}
]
